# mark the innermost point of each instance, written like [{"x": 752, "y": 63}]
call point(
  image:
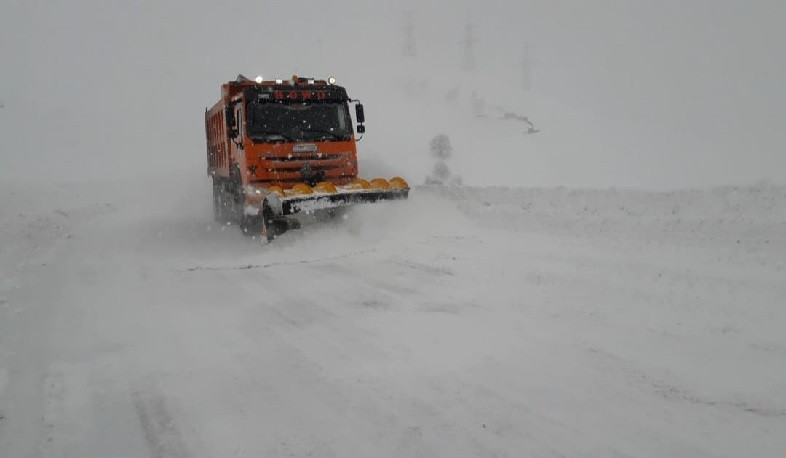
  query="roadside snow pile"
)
[{"x": 755, "y": 214}]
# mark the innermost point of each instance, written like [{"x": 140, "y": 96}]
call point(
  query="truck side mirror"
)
[{"x": 359, "y": 113}]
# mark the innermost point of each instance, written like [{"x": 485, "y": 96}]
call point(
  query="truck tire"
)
[
  {"x": 252, "y": 225},
  {"x": 219, "y": 210},
  {"x": 336, "y": 213},
  {"x": 237, "y": 204},
  {"x": 263, "y": 225}
]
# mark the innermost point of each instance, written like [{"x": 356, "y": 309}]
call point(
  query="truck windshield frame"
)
[{"x": 269, "y": 121}]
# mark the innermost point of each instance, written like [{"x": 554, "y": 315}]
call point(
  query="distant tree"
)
[
  {"x": 409, "y": 49},
  {"x": 441, "y": 149},
  {"x": 440, "y": 172}
]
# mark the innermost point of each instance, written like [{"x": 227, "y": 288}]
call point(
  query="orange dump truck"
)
[{"x": 282, "y": 147}]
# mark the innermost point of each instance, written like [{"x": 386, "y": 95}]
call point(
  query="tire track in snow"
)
[
  {"x": 162, "y": 436},
  {"x": 672, "y": 392},
  {"x": 277, "y": 264}
]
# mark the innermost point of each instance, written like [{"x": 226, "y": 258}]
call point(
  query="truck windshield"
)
[{"x": 298, "y": 121}]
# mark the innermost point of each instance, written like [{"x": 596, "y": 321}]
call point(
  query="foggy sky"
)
[{"x": 95, "y": 88}]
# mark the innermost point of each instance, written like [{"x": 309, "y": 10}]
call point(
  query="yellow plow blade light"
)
[
  {"x": 276, "y": 189},
  {"x": 398, "y": 183},
  {"x": 380, "y": 183},
  {"x": 302, "y": 188},
  {"x": 326, "y": 187},
  {"x": 359, "y": 183}
]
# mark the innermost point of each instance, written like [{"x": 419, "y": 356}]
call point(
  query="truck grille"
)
[
  {"x": 303, "y": 167},
  {"x": 305, "y": 157}
]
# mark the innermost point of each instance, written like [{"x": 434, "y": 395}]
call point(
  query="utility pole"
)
[
  {"x": 469, "y": 48},
  {"x": 409, "y": 49},
  {"x": 526, "y": 81}
]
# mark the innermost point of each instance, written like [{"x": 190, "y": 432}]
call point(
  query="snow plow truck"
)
[{"x": 279, "y": 148}]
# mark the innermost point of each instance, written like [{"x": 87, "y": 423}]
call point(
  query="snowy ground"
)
[{"x": 463, "y": 322}]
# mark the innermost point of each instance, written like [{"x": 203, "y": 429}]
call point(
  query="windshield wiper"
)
[
  {"x": 268, "y": 136},
  {"x": 326, "y": 133}
]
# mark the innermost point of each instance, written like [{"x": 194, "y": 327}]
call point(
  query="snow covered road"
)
[{"x": 463, "y": 322}]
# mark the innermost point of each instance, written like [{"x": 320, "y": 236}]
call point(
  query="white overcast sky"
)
[{"x": 122, "y": 85}]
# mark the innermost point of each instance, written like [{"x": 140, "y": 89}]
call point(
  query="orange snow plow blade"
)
[{"x": 325, "y": 195}]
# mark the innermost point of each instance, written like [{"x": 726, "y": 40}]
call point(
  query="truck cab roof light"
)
[
  {"x": 331, "y": 80},
  {"x": 259, "y": 79}
]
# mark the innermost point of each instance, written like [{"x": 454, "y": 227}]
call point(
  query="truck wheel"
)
[
  {"x": 221, "y": 210},
  {"x": 252, "y": 225},
  {"x": 237, "y": 205},
  {"x": 337, "y": 213},
  {"x": 218, "y": 205},
  {"x": 263, "y": 225}
]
